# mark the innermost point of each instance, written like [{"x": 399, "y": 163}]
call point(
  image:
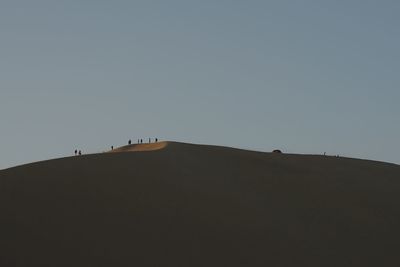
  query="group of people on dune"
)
[{"x": 139, "y": 141}]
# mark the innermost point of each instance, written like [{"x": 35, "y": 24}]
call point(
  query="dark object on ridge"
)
[
  {"x": 80, "y": 153},
  {"x": 141, "y": 141},
  {"x": 112, "y": 147},
  {"x": 277, "y": 151},
  {"x": 156, "y": 140},
  {"x": 129, "y": 142},
  {"x": 149, "y": 140},
  {"x": 76, "y": 152}
]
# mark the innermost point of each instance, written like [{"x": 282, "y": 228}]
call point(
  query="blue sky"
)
[{"x": 301, "y": 76}]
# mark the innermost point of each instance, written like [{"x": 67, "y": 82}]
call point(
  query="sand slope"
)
[{"x": 191, "y": 205}]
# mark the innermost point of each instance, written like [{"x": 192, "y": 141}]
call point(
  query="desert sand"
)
[{"x": 175, "y": 204}]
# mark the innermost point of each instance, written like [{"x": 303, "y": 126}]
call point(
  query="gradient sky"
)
[{"x": 301, "y": 76}]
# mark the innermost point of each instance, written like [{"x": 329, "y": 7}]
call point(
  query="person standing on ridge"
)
[
  {"x": 129, "y": 142},
  {"x": 80, "y": 152},
  {"x": 156, "y": 140},
  {"x": 76, "y": 152}
]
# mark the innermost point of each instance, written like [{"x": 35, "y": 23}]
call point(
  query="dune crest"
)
[{"x": 141, "y": 147}]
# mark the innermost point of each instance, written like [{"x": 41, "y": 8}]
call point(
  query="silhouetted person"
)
[
  {"x": 141, "y": 141},
  {"x": 76, "y": 152},
  {"x": 129, "y": 142},
  {"x": 80, "y": 152},
  {"x": 112, "y": 147},
  {"x": 156, "y": 140},
  {"x": 149, "y": 140}
]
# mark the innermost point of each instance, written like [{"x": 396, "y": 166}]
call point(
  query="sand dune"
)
[{"x": 190, "y": 205}]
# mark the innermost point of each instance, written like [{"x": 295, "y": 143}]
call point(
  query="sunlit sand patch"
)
[{"x": 141, "y": 147}]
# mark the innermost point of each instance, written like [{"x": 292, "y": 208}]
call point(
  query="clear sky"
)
[{"x": 302, "y": 76}]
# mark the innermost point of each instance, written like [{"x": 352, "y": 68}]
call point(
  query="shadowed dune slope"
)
[{"x": 193, "y": 205}]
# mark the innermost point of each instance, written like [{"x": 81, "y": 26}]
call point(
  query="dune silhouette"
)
[{"x": 176, "y": 204}]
